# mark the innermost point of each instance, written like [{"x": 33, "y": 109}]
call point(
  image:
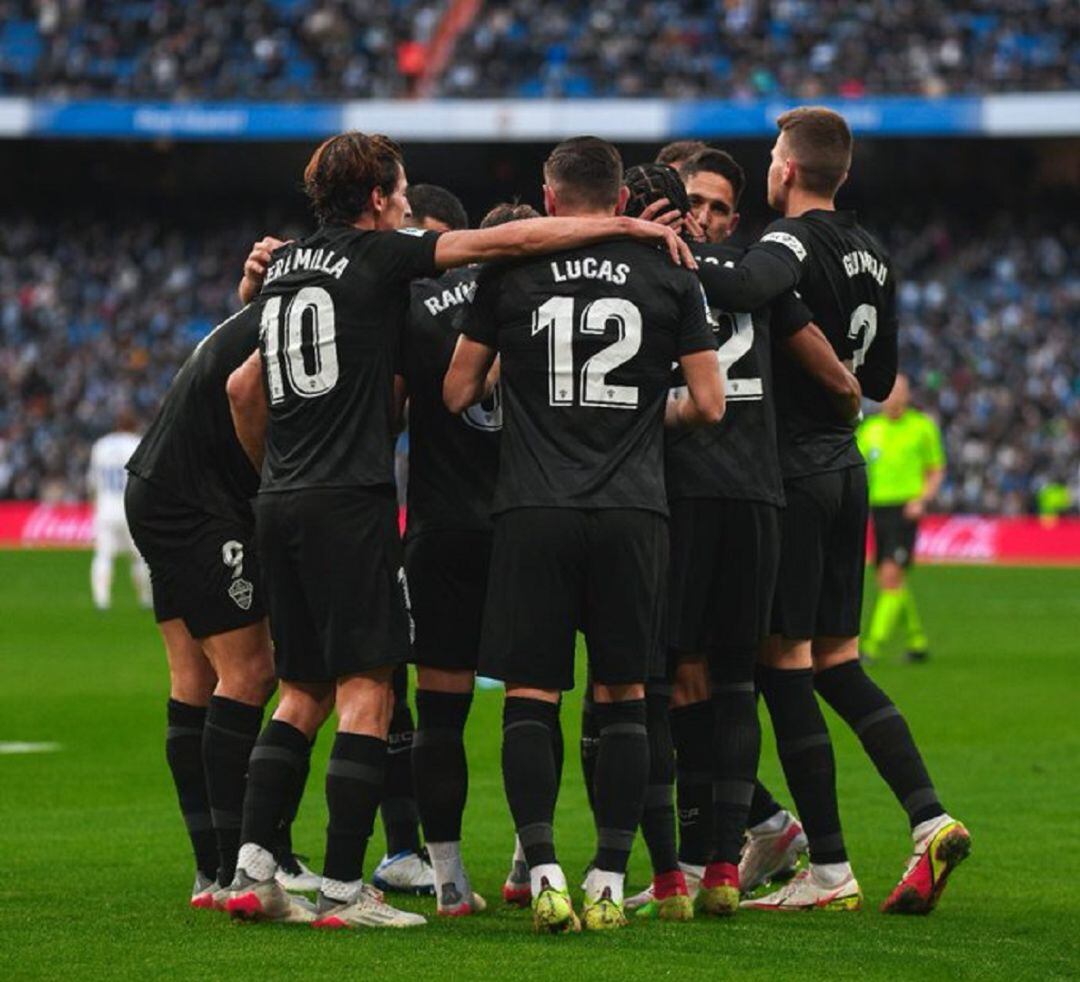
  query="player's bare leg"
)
[
  {"x": 191, "y": 683},
  {"x": 807, "y": 758},
  {"x": 940, "y": 842},
  {"x": 243, "y": 660},
  {"x": 440, "y": 771}
]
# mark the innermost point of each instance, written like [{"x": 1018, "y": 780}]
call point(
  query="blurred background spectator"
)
[{"x": 330, "y": 49}]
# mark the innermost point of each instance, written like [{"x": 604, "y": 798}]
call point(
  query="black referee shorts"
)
[
  {"x": 724, "y": 559},
  {"x": 555, "y": 570},
  {"x": 822, "y": 556},
  {"x": 448, "y": 580},
  {"x": 337, "y": 592},
  {"x": 894, "y": 535},
  {"x": 204, "y": 569}
]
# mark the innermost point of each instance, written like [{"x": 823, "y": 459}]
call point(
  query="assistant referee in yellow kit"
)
[{"x": 905, "y": 464}]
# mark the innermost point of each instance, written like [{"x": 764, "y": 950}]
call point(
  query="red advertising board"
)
[{"x": 942, "y": 538}]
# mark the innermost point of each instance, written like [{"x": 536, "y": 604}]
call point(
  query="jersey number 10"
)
[{"x": 311, "y": 360}]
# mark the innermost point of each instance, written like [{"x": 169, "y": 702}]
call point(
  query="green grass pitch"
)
[{"x": 94, "y": 867}]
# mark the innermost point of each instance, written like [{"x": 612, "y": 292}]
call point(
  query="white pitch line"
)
[{"x": 17, "y": 747}]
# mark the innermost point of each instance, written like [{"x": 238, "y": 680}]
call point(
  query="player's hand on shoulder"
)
[
  {"x": 662, "y": 235},
  {"x": 256, "y": 265}
]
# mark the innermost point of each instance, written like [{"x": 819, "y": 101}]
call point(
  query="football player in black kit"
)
[
  {"x": 188, "y": 504},
  {"x": 586, "y": 340},
  {"x": 725, "y": 493},
  {"x": 329, "y": 311},
  {"x": 847, "y": 281},
  {"x": 453, "y": 460}
]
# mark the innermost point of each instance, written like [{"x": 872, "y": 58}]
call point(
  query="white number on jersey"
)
[
  {"x": 556, "y": 316},
  {"x": 863, "y": 318},
  {"x": 739, "y": 345},
  {"x": 320, "y": 352}
]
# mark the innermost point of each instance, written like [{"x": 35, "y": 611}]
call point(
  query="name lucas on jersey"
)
[
  {"x": 590, "y": 268},
  {"x": 863, "y": 262},
  {"x": 313, "y": 260}
]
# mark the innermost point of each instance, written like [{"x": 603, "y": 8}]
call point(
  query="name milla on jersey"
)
[
  {"x": 313, "y": 260},
  {"x": 590, "y": 268},
  {"x": 863, "y": 262}
]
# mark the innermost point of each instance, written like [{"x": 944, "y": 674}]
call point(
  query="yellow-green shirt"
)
[{"x": 898, "y": 454}]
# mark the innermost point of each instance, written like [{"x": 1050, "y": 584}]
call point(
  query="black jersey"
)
[
  {"x": 737, "y": 457},
  {"x": 587, "y": 338},
  {"x": 191, "y": 450},
  {"x": 453, "y": 460},
  {"x": 847, "y": 280},
  {"x": 332, "y": 307}
]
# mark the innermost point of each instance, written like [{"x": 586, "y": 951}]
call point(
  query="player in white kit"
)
[{"x": 105, "y": 483}]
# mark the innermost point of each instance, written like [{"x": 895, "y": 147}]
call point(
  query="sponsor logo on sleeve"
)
[{"x": 789, "y": 240}]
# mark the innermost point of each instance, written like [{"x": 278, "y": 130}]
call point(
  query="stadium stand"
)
[
  {"x": 93, "y": 316},
  {"x": 319, "y": 49}
]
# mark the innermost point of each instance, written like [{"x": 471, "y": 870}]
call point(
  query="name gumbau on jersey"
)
[
  {"x": 312, "y": 260},
  {"x": 862, "y": 261},
  {"x": 462, "y": 293},
  {"x": 590, "y": 268}
]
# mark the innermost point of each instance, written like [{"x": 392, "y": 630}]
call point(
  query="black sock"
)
[
  {"x": 528, "y": 766},
  {"x": 736, "y": 749},
  {"x": 885, "y": 737},
  {"x": 400, "y": 817},
  {"x": 230, "y": 733},
  {"x": 658, "y": 818},
  {"x": 806, "y": 755},
  {"x": 279, "y": 764},
  {"x": 622, "y": 774},
  {"x": 183, "y": 750},
  {"x": 692, "y": 729},
  {"x": 354, "y": 784},
  {"x": 283, "y": 846},
  {"x": 762, "y": 806},
  {"x": 440, "y": 770},
  {"x": 590, "y": 746},
  {"x": 558, "y": 748}
]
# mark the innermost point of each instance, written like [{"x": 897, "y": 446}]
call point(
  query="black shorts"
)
[
  {"x": 554, "y": 570},
  {"x": 724, "y": 559},
  {"x": 448, "y": 578},
  {"x": 337, "y": 592},
  {"x": 822, "y": 556},
  {"x": 204, "y": 569},
  {"x": 894, "y": 535}
]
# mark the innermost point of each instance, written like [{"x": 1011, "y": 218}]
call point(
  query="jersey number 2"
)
[
  {"x": 557, "y": 317},
  {"x": 308, "y": 342}
]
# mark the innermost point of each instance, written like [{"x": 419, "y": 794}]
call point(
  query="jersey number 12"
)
[{"x": 592, "y": 388}]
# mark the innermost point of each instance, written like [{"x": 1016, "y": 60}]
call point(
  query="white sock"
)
[
  {"x": 599, "y": 879},
  {"x": 519, "y": 852},
  {"x": 830, "y": 874},
  {"x": 775, "y": 823},
  {"x": 257, "y": 862},
  {"x": 552, "y": 872},
  {"x": 690, "y": 871},
  {"x": 343, "y": 891},
  {"x": 140, "y": 576},
  {"x": 925, "y": 829},
  {"x": 101, "y": 580},
  {"x": 448, "y": 867}
]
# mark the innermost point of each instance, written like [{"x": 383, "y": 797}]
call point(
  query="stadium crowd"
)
[
  {"x": 102, "y": 319},
  {"x": 319, "y": 49}
]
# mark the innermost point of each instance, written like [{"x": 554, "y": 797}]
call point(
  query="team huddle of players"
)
[{"x": 619, "y": 426}]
